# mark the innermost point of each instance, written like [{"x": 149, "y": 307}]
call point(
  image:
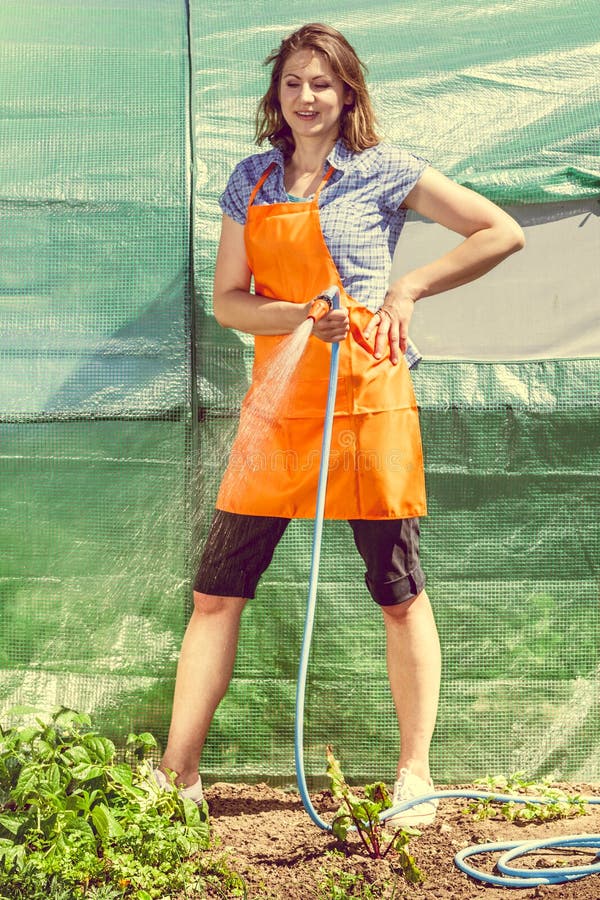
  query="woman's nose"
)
[{"x": 307, "y": 93}]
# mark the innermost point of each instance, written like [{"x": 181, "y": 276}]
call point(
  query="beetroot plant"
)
[{"x": 361, "y": 814}]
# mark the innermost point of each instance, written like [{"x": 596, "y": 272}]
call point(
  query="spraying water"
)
[
  {"x": 273, "y": 382},
  {"x": 265, "y": 400},
  {"x": 263, "y": 407}
]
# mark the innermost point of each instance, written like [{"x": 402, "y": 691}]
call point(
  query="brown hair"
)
[{"x": 357, "y": 124}]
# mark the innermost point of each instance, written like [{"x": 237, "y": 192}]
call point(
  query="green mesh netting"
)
[
  {"x": 108, "y": 474},
  {"x": 95, "y": 355}
]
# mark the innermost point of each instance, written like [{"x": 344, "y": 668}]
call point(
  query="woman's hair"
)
[{"x": 357, "y": 123}]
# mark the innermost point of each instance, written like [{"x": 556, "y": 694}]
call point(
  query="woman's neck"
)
[
  {"x": 309, "y": 156},
  {"x": 304, "y": 170}
]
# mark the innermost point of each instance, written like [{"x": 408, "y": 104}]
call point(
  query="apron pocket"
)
[{"x": 384, "y": 387}]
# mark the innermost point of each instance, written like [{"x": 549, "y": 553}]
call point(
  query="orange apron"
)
[{"x": 376, "y": 463}]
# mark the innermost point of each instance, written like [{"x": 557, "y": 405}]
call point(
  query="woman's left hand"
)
[
  {"x": 390, "y": 324},
  {"x": 490, "y": 235}
]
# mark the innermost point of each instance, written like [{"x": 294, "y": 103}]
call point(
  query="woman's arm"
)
[
  {"x": 490, "y": 236},
  {"x": 235, "y": 307}
]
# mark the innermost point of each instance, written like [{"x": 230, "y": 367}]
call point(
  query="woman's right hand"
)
[
  {"x": 235, "y": 307},
  {"x": 333, "y": 327}
]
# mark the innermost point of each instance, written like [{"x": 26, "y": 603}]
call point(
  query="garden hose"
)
[
  {"x": 511, "y": 876},
  {"x": 334, "y": 296}
]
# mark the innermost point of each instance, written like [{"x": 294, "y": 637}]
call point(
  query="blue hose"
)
[
  {"x": 334, "y": 295},
  {"x": 511, "y": 876},
  {"x": 515, "y": 877}
]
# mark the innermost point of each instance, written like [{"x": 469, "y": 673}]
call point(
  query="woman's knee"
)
[
  {"x": 216, "y": 605},
  {"x": 398, "y": 612}
]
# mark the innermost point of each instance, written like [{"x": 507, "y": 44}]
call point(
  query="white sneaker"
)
[
  {"x": 194, "y": 792},
  {"x": 408, "y": 787}
]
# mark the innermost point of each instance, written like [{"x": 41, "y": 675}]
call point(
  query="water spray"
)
[{"x": 511, "y": 876}]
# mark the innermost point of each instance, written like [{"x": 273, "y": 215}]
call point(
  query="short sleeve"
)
[
  {"x": 234, "y": 199},
  {"x": 400, "y": 172}
]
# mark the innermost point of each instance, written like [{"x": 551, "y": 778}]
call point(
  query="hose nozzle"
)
[{"x": 320, "y": 307}]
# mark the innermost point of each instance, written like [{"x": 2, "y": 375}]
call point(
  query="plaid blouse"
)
[{"x": 359, "y": 209}]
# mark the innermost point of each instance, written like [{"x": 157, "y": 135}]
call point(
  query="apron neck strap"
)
[
  {"x": 260, "y": 183},
  {"x": 268, "y": 171},
  {"x": 326, "y": 178}
]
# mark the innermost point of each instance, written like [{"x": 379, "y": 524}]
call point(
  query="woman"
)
[{"x": 326, "y": 207}]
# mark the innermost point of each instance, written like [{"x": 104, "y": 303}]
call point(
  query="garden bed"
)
[{"x": 273, "y": 845}]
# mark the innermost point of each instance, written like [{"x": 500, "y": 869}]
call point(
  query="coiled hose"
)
[{"x": 511, "y": 876}]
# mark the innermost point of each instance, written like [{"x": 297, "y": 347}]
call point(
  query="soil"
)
[{"x": 271, "y": 842}]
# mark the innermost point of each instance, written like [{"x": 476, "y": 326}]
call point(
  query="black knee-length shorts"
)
[{"x": 239, "y": 549}]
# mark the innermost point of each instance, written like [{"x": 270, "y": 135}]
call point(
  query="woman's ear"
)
[{"x": 349, "y": 98}]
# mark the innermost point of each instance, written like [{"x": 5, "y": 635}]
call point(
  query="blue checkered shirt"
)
[{"x": 359, "y": 208}]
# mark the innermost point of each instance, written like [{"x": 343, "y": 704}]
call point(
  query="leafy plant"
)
[
  {"x": 219, "y": 879},
  {"x": 362, "y": 815},
  {"x": 77, "y": 822},
  {"x": 341, "y": 885},
  {"x": 557, "y": 804}
]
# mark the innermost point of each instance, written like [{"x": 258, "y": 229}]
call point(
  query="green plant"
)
[
  {"x": 362, "y": 815},
  {"x": 77, "y": 822},
  {"x": 217, "y": 876},
  {"x": 341, "y": 885},
  {"x": 557, "y": 804}
]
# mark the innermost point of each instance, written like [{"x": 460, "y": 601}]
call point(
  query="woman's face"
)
[{"x": 312, "y": 97}]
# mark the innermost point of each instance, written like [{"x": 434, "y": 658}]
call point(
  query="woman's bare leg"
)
[
  {"x": 414, "y": 667},
  {"x": 203, "y": 675}
]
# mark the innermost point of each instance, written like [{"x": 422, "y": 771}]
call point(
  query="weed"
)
[
  {"x": 362, "y": 815},
  {"x": 557, "y": 804},
  {"x": 341, "y": 885},
  {"x": 75, "y": 822},
  {"x": 216, "y": 874}
]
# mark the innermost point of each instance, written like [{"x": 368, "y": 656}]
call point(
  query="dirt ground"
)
[{"x": 272, "y": 843}]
